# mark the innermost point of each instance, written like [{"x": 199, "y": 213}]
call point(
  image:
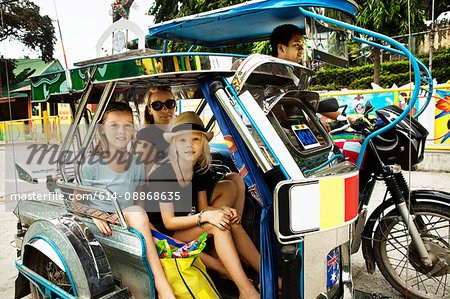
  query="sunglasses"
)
[{"x": 158, "y": 105}]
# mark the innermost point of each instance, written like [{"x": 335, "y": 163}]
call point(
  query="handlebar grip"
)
[
  {"x": 337, "y": 124},
  {"x": 216, "y": 85}
]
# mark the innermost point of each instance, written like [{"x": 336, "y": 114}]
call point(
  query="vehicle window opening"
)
[
  {"x": 35, "y": 109},
  {"x": 53, "y": 109}
]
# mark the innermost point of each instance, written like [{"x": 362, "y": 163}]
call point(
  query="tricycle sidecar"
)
[
  {"x": 304, "y": 193},
  {"x": 96, "y": 265}
]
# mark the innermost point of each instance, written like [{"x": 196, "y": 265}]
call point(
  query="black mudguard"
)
[{"x": 83, "y": 255}]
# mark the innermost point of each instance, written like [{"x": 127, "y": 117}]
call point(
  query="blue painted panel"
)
[{"x": 235, "y": 24}]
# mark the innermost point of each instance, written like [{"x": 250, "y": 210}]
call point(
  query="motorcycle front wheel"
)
[{"x": 398, "y": 260}]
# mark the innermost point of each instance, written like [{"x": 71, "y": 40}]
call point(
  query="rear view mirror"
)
[{"x": 328, "y": 105}]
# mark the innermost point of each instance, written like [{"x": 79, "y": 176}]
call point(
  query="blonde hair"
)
[
  {"x": 102, "y": 147},
  {"x": 148, "y": 117},
  {"x": 203, "y": 161}
]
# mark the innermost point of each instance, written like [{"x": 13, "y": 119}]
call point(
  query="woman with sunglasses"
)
[
  {"x": 159, "y": 112},
  {"x": 152, "y": 148}
]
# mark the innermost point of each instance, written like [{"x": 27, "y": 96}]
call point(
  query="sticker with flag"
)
[
  {"x": 299, "y": 127},
  {"x": 333, "y": 267}
]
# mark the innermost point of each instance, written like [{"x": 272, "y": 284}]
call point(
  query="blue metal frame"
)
[
  {"x": 429, "y": 81},
  {"x": 406, "y": 53},
  {"x": 48, "y": 285},
  {"x": 166, "y": 42},
  {"x": 302, "y": 274},
  {"x": 144, "y": 259},
  {"x": 427, "y": 78},
  {"x": 56, "y": 249}
]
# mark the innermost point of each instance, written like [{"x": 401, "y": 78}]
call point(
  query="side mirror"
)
[{"x": 328, "y": 105}]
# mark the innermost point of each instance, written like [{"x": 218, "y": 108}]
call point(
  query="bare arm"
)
[
  {"x": 332, "y": 115},
  {"x": 178, "y": 223},
  {"x": 101, "y": 224},
  {"x": 202, "y": 201},
  {"x": 174, "y": 223}
]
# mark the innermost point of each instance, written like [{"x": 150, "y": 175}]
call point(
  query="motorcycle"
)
[{"x": 407, "y": 235}]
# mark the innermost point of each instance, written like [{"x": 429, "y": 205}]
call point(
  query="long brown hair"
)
[
  {"x": 102, "y": 147},
  {"x": 148, "y": 117}
]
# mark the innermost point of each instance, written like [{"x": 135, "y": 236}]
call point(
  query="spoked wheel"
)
[
  {"x": 397, "y": 257},
  {"x": 50, "y": 271}
]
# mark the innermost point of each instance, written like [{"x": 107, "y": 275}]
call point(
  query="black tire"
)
[
  {"x": 46, "y": 268},
  {"x": 398, "y": 261}
]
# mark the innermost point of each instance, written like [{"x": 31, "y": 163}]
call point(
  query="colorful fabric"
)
[
  {"x": 190, "y": 249},
  {"x": 121, "y": 9},
  {"x": 442, "y": 123},
  {"x": 350, "y": 149}
]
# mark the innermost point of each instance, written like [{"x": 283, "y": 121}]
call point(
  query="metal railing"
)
[{"x": 40, "y": 129}]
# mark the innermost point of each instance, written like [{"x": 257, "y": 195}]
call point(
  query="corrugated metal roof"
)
[
  {"x": 39, "y": 66},
  {"x": 36, "y": 67},
  {"x": 25, "y": 88}
]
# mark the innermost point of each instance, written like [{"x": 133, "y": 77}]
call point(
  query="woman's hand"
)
[
  {"x": 232, "y": 214},
  {"x": 102, "y": 226},
  {"x": 218, "y": 218}
]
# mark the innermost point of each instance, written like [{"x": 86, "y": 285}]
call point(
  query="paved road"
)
[{"x": 369, "y": 283}]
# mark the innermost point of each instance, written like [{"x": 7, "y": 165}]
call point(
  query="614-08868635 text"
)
[{"x": 156, "y": 196}]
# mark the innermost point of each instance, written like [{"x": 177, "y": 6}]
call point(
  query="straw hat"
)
[{"x": 187, "y": 122}]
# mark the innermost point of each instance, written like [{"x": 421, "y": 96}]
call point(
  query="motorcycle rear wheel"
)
[{"x": 398, "y": 260}]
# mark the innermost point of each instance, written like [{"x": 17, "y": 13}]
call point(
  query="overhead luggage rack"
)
[{"x": 164, "y": 69}]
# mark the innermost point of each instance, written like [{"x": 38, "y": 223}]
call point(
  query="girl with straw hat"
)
[{"x": 184, "y": 179}]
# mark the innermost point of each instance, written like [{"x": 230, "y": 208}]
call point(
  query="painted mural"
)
[{"x": 442, "y": 118}]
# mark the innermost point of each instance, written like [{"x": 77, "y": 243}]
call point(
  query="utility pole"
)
[{"x": 430, "y": 63}]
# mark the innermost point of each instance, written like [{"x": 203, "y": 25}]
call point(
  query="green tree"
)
[
  {"x": 23, "y": 22},
  {"x": 9, "y": 65},
  {"x": 6, "y": 65},
  {"x": 164, "y": 10},
  {"x": 389, "y": 17}
]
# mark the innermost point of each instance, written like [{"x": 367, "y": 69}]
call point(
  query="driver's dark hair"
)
[{"x": 282, "y": 35}]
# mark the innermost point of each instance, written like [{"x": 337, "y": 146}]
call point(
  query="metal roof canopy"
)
[{"x": 247, "y": 22}]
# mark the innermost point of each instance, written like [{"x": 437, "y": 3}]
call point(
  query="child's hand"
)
[
  {"x": 102, "y": 226},
  {"x": 218, "y": 218},
  {"x": 232, "y": 214}
]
